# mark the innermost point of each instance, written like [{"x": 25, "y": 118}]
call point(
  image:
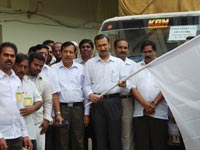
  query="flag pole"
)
[{"x": 124, "y": 79}]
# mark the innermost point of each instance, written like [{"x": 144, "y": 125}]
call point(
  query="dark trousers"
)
[
  {"x": 14, "y": 144},
  {"x": 107, "y": 115},
  {"x": 50, "y": 138},
  {"x": 71, "y": 137},
  {"x": 150, "y": 133},
  {"x": 34, "y": 144},
  {"x": 89, "y": 133}
]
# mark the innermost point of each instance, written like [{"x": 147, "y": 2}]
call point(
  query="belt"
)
[
  {"x": 72, "y": 104},
  {"x": 111, "y": 95},
  {"x": 14, "y": 140},
  {"x": 125, "y": 96}
]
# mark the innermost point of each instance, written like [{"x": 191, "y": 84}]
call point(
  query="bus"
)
[{"x": 167, "y": 30}]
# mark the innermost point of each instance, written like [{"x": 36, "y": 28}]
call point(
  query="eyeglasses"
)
[{"x": 87, "y": 46}]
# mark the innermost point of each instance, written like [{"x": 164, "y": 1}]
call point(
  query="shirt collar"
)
[
  {"x": 2, "y": 74},
  {"x": 25, "y": 78},
  {"x": 142, "y": 63},
  {"x": 79, "y": 60},
  {"x": 111, "y": 58},
  {"x": 45, "y": 67},
  {"x": 61, "y": 65},
  {"x": 127, "y": 61},
  {"x": 37, "y": 77}
]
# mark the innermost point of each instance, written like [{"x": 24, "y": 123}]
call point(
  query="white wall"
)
[
  {"x": 26, "y": 35},
  {"x": 25, "y": 29}
]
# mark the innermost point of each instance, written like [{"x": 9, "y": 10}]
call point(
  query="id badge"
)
[
  {"x": 28, "y": 101},
  {"x": 19, "y": 97}
]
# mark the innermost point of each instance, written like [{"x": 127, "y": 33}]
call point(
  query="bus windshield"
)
[{"x": 167, "y": 31}]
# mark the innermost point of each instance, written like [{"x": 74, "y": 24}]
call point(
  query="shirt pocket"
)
[{"x": 115, "y": 76}]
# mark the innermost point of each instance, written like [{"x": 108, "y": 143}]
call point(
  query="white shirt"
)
[
  {"x": 45, "y": 92},
  {"x": 87, "y": 108},
  {"x": 70, "y": 81},
  {"x": 149, "y": 89},
  {"x": 128, "y": 69},
  {"x": 50, "y": 76},
  {"x": 12, "y": 124},
  {"x": 101, "y": 76},
  {"x": 30, "y": 91},
  {"x": 53, "y": 60},
  {"x": 48, "y": 73},
  {"x": 79, "y": 60}
]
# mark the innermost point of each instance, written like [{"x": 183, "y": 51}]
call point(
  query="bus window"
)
[{"x": 166, "y": 30}]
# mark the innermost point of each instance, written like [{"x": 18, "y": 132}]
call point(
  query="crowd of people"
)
[{"x": 44, "y": 96}]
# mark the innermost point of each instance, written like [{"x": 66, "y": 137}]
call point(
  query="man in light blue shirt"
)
[
  {"x": 101, "y": 73},
  {"x": 71, "y": 78}
]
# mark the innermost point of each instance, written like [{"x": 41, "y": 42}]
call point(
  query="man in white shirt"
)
[
  {"x": 57, "y": 51},
  {"x": 151, "y": 110},
  {"x": 121, "y": 51},
  {"x": 43, "y": 115},
  {"x": 51, "y": 58},
  {"x": 49, "y": 74},
  {"x": 12, "y": 126},
  {"x": 86, "y": 47},
  {"x": 71, "y": 78},
  {"x": 101, "y": 73},
  {"x": 31, "y": 99}
]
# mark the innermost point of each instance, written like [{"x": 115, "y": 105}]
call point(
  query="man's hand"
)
[
  {"x": 44, "y": 126},
  {"x": 27, "y": 110},
  {"x": 122, "y": 84},
  {"x": 3, "y": 144},
  {"x": 27, "y": 143},
  {"x": 86, "y": 120},
  {"x": 59, "y": 118},
  {"x": 95, "y": 98},
  {"x": 149, "y": 108}
]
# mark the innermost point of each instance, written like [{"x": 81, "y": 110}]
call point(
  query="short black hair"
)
[
  {"x": 36, "y": 48},
  {"x": 20, "y": 57},
  {"x": 68, "y": 43},
  {"x": 8, "y": 44},
  {"x": 83, "y": 41},
  {"x": 47, "y": 42},
  {"x": 148, "y": 43},
  {"x": 33, "y": 56},
  {"x": 118, "y": 40},
  {"x": 101, "y": 36}
]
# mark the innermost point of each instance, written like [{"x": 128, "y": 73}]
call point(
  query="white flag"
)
[{"x": 178, "y": 74}]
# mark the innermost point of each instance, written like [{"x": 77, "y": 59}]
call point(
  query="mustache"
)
[
  {"x": 9, "y": 62},
  {"x": 122, "y": 53},
  {"x": 147, "y": 57}
]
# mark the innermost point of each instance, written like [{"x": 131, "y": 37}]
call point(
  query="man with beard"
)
[
  {"x": 50, "y": 76},
  {"x": 12, "y": 126},
  {"x": 31, "y": 99},
  {"x": 121, "y": 51},
  {"x": 43, "y": 115},
  {"x": 151, "y": 111}
]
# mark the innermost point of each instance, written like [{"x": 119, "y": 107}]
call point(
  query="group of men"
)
[{"x": 132, "y": 115}]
